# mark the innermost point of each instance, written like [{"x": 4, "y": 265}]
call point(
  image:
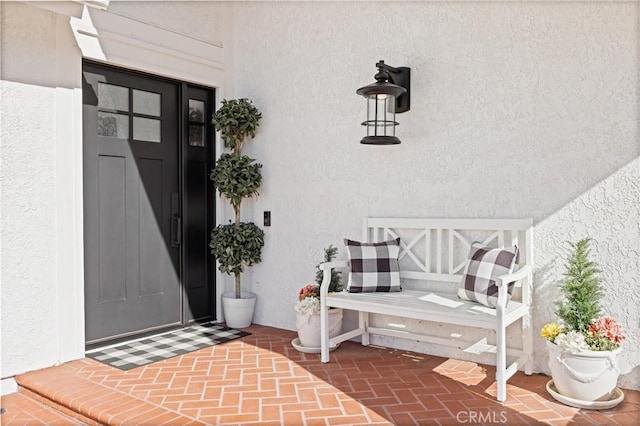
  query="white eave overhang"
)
[
  {"x": 69, "y": 8},
  {"x": 100, "y": 4}
]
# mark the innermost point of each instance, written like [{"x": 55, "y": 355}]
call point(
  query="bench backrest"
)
[{"x": 437, "y": 249}]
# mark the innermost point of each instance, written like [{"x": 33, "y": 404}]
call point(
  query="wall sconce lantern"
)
[{"x": 386, "y": 97}]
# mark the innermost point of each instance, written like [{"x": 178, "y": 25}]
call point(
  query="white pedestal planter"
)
[
  {"x": 238, "y": 313},
  {"x": 308, "y": 327},
  {"x": 585, "y": 376}
]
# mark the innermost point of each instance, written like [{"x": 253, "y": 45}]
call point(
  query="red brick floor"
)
[
  {"x": 262, "y": 379},
  {"x": 22, "y": 409}
]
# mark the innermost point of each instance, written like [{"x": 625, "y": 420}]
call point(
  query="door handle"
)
[
  {"x": 176, "y": 231},
  {"x": 176, "y": 220}
]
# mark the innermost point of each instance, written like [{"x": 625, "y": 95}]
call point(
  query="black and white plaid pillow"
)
[
  {"x": 374, "y": 266},
  {"x": 483, "y": 267}
]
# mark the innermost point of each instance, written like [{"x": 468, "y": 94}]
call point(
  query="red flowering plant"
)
[
  {"x": 309, "y": 295},
  {"x": 308, "y": 300},
  {"x": 581, "y": 327},
  {"x": 604, "y": 334},
  {"x": 308, "y": 290}
]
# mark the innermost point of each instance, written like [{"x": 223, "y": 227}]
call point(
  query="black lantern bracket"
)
[{"x": 400, "y": 76}]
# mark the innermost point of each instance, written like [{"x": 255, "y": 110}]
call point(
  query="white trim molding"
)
[
  {"x": 119, "y": 40},
  {"x": 99, "y": 4},
  {"x": 69, "y": 7}
]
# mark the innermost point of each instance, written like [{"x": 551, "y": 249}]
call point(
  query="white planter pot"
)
[
  {"x": 238, "y": 313},
  {"x": 308, "y": 327},
  {"x": 585, "y": 376}
]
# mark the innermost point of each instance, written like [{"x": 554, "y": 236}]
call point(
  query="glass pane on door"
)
[
  {"x": 113, "y": 125},
  {"x": 146, "y": 129},
  {"x": 147, "y": 103},
  {"x": 196, "y": 135},
  {"x": 113, "y": 97},
  {"x": 196, "y": 111}
]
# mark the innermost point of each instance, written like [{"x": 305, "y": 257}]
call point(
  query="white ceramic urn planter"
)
[
  {"x": 308, "y": 326},
  {"x": 585, "y": 376},
  {"x": 238, "y": 313}
]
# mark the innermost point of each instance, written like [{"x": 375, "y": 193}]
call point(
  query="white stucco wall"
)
[
  {"x": 30, "y": 316},
  {"x": 204, "y": 20},
  {"x": 519, "y": 109}
]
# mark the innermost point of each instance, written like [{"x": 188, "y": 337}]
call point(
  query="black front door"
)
[{"x": 132, "y": 212}]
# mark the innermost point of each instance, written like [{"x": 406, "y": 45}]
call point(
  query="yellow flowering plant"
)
[{"x": 550, "y": 331}]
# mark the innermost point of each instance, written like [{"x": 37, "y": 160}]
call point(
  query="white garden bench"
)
[{"x": 433, "y": 256}]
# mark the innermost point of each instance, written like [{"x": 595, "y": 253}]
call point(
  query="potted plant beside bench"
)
[{"x": 308, "y": 308}]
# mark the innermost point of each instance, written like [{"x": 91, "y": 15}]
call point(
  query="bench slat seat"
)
[{"x": 426, "y": 306}]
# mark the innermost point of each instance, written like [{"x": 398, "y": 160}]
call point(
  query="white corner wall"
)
[
  {"x": 32, "y": 94},
  {"x": 519, "y": 109}
]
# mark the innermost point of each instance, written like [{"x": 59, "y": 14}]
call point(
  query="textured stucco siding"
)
[
  {"x": 203, "y": 20},
  {"x": 27, "y": 177},
  {"x": 519, "y": 109}
]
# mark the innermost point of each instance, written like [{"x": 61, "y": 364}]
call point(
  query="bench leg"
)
[
  {"x": 501, "y": 363},
  {"x": 363, "y": 323},
  {"x": 324, "y": 335},
  {"x": 527, "y": 343}
]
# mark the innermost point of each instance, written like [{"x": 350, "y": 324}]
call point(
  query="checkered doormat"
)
[{"x": 156, "y": 348}]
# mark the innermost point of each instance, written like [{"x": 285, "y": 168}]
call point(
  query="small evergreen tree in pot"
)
[
  {"x": 581, "y": 289},
  {"x": 236, "y": 177},
  {"x": 583, "y": 345},
  {"x": 582, "y": 326}
]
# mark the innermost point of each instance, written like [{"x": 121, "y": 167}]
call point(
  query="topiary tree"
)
[
  {"x": 581, "y": 290},
  {"x": 236, "y": 177}
]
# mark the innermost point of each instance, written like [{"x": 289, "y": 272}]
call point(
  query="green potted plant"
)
[
  {"x": 308, "y": 308},
  {"x": 583, "y": 345},
  {"x": 236, "y": 177}
]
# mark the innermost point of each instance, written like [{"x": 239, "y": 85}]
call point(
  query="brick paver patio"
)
[{"x": 262, "y": 379}]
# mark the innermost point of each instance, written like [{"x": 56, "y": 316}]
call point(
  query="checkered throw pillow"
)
[
  {"x": 374, "y": 266},
  {"x": 484, "y": 266}
]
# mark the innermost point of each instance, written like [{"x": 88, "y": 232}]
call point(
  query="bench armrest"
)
[
  {"x": 326, "y": 267},
  {"x": 335, "y": 264},
  {"x": 522, "y": 273}
]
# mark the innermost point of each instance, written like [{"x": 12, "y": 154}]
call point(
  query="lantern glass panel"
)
[{"x": 381, "y": 115}]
